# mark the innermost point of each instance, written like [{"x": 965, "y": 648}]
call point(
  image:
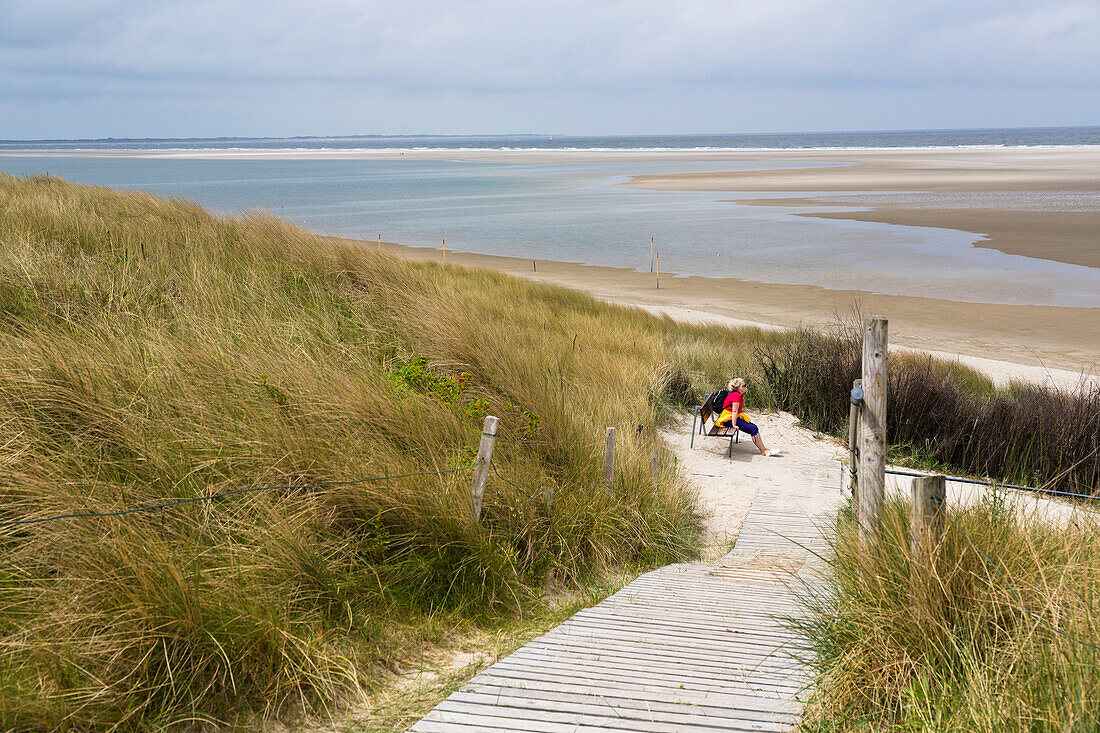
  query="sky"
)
[{"x": 205, "y": 68}]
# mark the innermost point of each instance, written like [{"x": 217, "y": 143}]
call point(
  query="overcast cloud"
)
[{"x": 260, "y": 67}]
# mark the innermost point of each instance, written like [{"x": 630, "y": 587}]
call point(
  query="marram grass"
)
[
  {"x": 1005, "y": 639},
  {"x": 151, "y": 350}
]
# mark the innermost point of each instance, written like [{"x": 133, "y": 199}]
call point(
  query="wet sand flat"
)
[{"x": 1053, "y": 232}]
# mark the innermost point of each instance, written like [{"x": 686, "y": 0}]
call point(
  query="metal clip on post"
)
[{"x": 853, "y": 434}]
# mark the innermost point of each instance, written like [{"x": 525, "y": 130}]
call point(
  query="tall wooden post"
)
[
  {"x": 854, "y": 405},
  {"x": 481, "y": 469},
  {"x": 872, "y": 430},
  {"x": 609, "y": 461}
]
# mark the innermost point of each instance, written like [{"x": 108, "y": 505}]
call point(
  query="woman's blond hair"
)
[{"x": 735, "y": 383}]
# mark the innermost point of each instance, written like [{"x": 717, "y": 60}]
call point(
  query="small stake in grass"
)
[
  {"x": 654, "y": 469},
  {"x": 609, "y": 461},
  {"x": 481, "y": 469},
  {"x": 548, "y": 496}
]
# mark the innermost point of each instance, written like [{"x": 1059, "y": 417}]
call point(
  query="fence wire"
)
[
  {"x": 1008, "y": 584},
  {"x": 997, "y": 484},
  {"x": 252, "y": 490}
]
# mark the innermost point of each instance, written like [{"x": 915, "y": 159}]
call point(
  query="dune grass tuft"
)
[
  {"x": 152, "y": 351},
  {"x": 1002, "y": 639}
]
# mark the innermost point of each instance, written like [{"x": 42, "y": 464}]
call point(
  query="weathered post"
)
[
  {"x": 548, "y": 497},
  {"x": 609, "y": 461},
  {"x": 925, "y": 532},
  {"x": 855, "y": 402},
  {"x": 926, "y": 516},
  {"x": 481, "y": 468},
  {"x": 872, "y": 430}
]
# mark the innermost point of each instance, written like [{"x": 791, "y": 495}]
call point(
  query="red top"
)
[{"x": 735, "y": 403}]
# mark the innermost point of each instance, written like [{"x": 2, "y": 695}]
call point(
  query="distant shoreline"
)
[{"x": 1037, "y": 337}]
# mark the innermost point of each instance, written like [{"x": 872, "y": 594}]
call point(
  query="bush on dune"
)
[{"x": 945, "y": 415}]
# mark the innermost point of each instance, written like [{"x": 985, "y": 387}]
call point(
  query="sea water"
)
[{"x": 575, "y": 212}]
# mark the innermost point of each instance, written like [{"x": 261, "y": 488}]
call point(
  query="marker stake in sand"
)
[
  {"x": 657, "y": 260},
  {"x": 444, "y": 251},
  {"x": 651, "y": 254},
  {"x": 379, "y": 244}
]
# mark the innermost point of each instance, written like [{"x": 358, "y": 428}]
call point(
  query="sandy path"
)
[{"x": 727, "y": 486}]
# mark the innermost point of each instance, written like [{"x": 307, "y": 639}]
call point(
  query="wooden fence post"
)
[
  {"x": 548, "y": 497},
  {"x": 855, "y": 403},
  {"x": 481, "y": 469},
  {"x": 925, "y": 532},
  {"x": 926, "y": 515},
  {"x": 872, "y": 430},
  {"x": 609, "y": 461}
]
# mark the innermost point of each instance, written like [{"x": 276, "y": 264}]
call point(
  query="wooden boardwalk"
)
[{"x": 690, "y": 647}]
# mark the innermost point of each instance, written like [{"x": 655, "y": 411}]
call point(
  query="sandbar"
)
[{"x": 1019, "y": 199}]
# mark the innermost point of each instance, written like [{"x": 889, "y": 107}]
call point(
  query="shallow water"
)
[{"x": 574, "y": 212}]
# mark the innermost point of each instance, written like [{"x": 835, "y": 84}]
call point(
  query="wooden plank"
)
[
  {"x": 545, "y": 719},
  {"x": 793, "y": 676},
  {"x": 740, "y": 696},
  {"x": 657, "y": 699},
  {"x": 626, "y": 709},
  {"x": 766, "y": 657},
  {"x": 746, "y": 678},
  {"x": 710, "y": 634}
]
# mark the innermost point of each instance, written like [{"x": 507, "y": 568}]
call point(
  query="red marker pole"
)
[{"x": 379, "y": 244}]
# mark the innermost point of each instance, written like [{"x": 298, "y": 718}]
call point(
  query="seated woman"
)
[{"x": 735, "y": 404}]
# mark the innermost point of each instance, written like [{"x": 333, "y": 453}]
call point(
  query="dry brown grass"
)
[{"x": 151, "y": 350}]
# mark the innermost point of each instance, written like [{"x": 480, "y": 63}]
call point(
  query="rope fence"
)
[
  {"x": 480, "y": 467},
  {"x": 867, "y": 450},
  {"x": 997, "y": 484},
  {"x": 252, "y": 490},
  {"x": 1008, "y": 583}
]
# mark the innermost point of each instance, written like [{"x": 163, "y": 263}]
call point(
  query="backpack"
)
[{"x": 718, "y": 401}]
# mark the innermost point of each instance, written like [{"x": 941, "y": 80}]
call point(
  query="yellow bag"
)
[{"x": 724, "y": 419}]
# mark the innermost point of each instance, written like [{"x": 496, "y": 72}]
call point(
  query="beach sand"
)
[{"x": 1042, "y": 344}]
